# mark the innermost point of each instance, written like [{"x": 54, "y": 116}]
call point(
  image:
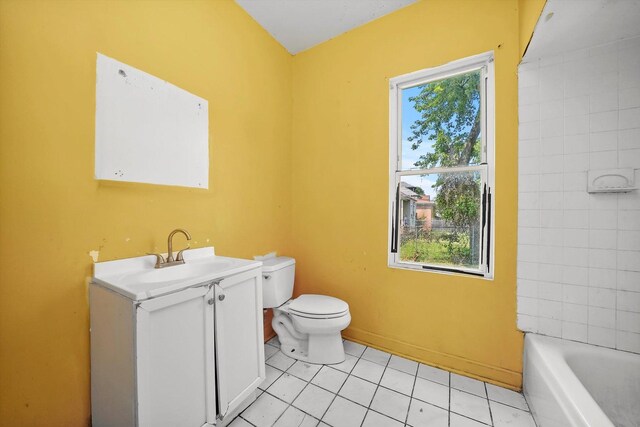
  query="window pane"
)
[
  {"x": 441, "y": 123},
  {"x": 439, "y": 219}
]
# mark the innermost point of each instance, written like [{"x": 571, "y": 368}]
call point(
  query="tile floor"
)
[{"x": 372, "y": 388}]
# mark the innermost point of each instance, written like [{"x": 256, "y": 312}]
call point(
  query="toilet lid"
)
[{"x": 318, "y": 305}]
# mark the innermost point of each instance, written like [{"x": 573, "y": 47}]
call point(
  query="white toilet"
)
[{"x": 309, "y": 326}]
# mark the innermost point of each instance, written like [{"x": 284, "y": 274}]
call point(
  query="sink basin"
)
[
  {"x": 178, "y": 272},
  {"x": 137, "y": 279}
]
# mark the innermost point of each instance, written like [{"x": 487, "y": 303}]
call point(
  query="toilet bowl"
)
[
  {"x": 309, "y": 326},
  {"x": 310, "y": 333}
]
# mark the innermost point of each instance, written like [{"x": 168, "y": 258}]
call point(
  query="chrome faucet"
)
[{"x": 161, "y": 262}]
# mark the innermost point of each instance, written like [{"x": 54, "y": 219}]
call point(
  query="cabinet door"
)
[
  {"x": 239, "y": 339},
  {"x": 174, "y": 344}
]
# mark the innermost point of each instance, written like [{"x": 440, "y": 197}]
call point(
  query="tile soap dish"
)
[{"x": 611, "y": 181}]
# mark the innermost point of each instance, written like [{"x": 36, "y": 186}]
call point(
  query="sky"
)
[{"x": 409, "y": 156}]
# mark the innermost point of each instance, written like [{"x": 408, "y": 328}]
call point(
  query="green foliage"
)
[
  {"x": 458, "y": 197},
  {"x": 424, "y": 250},
  {"x": 458, "y": 247},
  {"x": 438, "y": 248},
  {"x": 450, "y": 118}
]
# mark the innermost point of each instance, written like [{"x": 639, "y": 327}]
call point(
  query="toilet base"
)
[
  {"x": 315, "y": 341},
  {"x": 327, "y": 349}
]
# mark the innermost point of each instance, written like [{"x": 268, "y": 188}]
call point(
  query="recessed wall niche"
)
[{"x": 148, "y": 130}]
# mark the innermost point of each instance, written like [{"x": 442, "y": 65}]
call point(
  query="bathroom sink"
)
[
  {"x": 138, "y": 279},
  {"x": 179, "y": 272}
]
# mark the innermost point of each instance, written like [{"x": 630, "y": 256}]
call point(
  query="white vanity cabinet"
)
[
  {"x": 174, "y": 337},
  {"x": 190, "y": 357},
  {"x": 239, "y": 339}
]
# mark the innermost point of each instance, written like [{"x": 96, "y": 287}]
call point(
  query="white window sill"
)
[{"x": 419, "y": 267}]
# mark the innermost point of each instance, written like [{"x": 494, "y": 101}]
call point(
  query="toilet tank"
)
[{"x": 277, "y": 280}]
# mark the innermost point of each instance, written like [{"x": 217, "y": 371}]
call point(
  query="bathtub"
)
[{"x": 580, "y": 385}]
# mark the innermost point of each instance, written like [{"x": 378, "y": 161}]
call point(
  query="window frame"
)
[{"x": 484, "y": 62}]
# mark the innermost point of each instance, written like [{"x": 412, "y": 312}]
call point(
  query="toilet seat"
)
[
  {"x": 318, "y": 316},
  {"x": 318, "y": 307}
]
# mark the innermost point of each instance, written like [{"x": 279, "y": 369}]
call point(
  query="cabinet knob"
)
[
  {"x": 211, "y": 301},
  {"x": 221, "y": 297}
]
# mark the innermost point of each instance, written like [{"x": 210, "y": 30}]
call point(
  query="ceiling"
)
[
  {"x": 567, "y": 25},
  {"x": 301, "y": 24}
]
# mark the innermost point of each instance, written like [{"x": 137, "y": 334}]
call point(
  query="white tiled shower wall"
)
[{"x": 579, "y": 253}]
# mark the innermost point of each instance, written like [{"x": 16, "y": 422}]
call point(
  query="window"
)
[{"x": 441, "y": 168}]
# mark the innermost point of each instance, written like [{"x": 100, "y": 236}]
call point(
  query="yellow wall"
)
[
  {"x": 52, "y": 211},
  {"x": 340, "y": 188},
  {"x": 528, "y": 13},
  {"x": 299, "y": 155}
]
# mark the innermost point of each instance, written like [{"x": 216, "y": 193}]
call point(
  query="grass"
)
[{"x": 435, "y": 250}]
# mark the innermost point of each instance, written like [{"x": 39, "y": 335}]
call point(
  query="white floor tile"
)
[
  {"x": 369, "y": 371},
  {"x": 295, "y": 417},
  {"x": 314, "y": 400},
  {"x": 269, "y": 351},
  {"x": 506, "y": 416},
  {"x": 304, "y": 370},
  {"x": 347, "y": 365},
  {"x": 391, "y": 403},
  {"x": 460, "y": 421},
  {"x": 271, "y": 375},
  {"x": 376, "y": 356},
  {"x": 287, "y": 387},
  {"x": 506, "y": 396},
  {"x": 358, "y": 390},
  {"x": 353, "y": 348},
  {"x": 397, "y": 381},
  {"x": 433, "y": 374},
  {"x": 469, "y": 385},
  {"x": 264, "y": 411},
  {"x": 329, "y": 379},
  {"x": 375, "y": 396},
  {"x": 274, "y": 342},
  {"x": 280, "y": 361},
  {"x": 470, "y": 405},
  {"x": 374, "y": 419},
  {"x": 431, "y": 392},
  {"x": 425, "y": 415},
  {"x": 405, "y": 365},
  {"x": 239, "y": 422},
  {"x": 343, "y": 413}
]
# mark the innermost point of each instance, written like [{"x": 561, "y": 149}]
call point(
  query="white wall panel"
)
[{"x": 579, "y": 253}]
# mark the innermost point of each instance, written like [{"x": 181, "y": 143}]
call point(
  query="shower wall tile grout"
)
[{"x": 579, "y": 253}]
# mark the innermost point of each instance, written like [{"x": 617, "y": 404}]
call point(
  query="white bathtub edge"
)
[{"x": 546, "y": 367}]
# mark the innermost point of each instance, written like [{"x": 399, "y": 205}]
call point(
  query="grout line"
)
[
  {"x": 510, "y": 406},
  {"x": 277, "y": 378},
  {"x": 535, "y": 422},
  {"x": 384, "y": 415},
  {"x": 335, "y": 395},
  {"x": 472, "y": 419},
  {"x": 489, "y": 403},
  {"x": 377, "y": 387},
  {"x": 251, "y": 424},
  {"x": 449, "y": 411},
  {"x": 415, "y": 379},
  {"x": 299, "y": 393},
  {"x": 486, "y": 392}
]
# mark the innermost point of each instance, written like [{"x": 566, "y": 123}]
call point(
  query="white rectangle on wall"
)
[{"x": 148, "y": 130}]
